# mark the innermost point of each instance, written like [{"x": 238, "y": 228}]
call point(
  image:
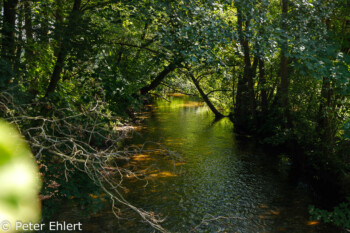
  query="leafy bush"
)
[{"x": 340, "y": 215}]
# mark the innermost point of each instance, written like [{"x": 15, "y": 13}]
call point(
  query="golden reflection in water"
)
[
  {"x": 275, "y": 212},
  {"x": 93, "y": 196},
  {"x": 180, "y": 163},
  {"x": 175, "y": 139},
  {"x": 268, "y": 213},
  {"x": 174, "y": 143},
  {"x": 137, "y": 145},
  {"x": 142, "y": 157},
  {"x": 133, "y": 177},
  {"x": 173, "y": 123},
  {"x": 312, "y": 223},
  {"x": 161, "y": 113},
  {"x": 176, "y": 94},
  {"x": 159, "y": 151},
  {"x": 143, "y": 117},
  {"x": 126, "y": 190},
  {"x": 163, "y": 118},
  {"x": 127, "y": 128},
  {"x": 163, "y": 174},
  {"x": 189, "y": 104}
]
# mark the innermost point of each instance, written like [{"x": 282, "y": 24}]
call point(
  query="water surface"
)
[{"x": 212, "y": 182}]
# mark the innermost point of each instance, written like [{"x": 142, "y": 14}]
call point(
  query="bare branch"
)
[{"x": 63, "y": 134}]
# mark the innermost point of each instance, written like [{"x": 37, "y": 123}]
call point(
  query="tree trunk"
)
[
  {"x": 56, "y": 75},
  {"x": 19, "y": 42},
  {"x": 284, "y": 60},
  {"x": 157, "y": 80},
  {"x": 58, "y": 26},
  {"x": 324, "y": 126},
  {"x": 282, "y": 92},
  {"x": 233, "y": 87},
  {"x": 206, "y": 99},
  {"x": 29, "y": 48},
  {"x": 63, "y": 50},
  {"x": 264, "y": 104},
  {"x": 8, "y": 39},
  {"x": 244, "y": 114},
  {"x": 29, "y": 30},
  {"x": 44, "y": 30}
]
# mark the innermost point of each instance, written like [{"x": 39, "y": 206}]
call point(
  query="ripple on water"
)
[{"x": 220, "y": 185}]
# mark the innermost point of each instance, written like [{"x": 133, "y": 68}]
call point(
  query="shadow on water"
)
[{"x": 218, "y": 184}]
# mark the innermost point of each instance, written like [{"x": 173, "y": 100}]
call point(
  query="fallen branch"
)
[{"x": 62, "y": 133}]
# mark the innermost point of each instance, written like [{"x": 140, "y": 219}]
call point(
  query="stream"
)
[{"x": 210, "y": 182}]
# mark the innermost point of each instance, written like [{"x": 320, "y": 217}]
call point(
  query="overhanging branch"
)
[{"x": 223, "y": 90}]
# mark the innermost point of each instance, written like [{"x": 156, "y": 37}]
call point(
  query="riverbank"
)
[{"x": 79, "y": 150}]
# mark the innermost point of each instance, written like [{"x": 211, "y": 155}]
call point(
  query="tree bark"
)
[{"x": 157, "y": 80}]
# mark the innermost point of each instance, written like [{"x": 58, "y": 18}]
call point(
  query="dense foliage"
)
[{"x": 279, "y": 69}]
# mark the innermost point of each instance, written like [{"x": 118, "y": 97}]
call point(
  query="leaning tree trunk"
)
[
  {"x": 206, "y": 99},
  {"x": 56, "y": 74},
  {"x": 157, "y": 80},
  {"x": 63, "y": 50}
]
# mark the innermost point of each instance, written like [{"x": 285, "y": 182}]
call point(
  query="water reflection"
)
[{"x": 218, "y": 184}]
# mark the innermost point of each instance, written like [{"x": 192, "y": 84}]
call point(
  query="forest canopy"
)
[{"x": 73, "y": 70}]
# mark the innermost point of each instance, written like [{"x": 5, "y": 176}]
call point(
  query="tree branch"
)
[
  {"x": 217, "y": 91},
  {"x": 140, "y": 47}
]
